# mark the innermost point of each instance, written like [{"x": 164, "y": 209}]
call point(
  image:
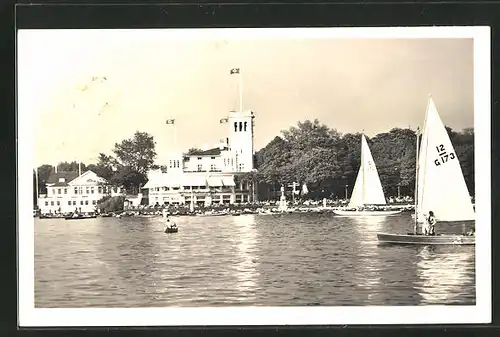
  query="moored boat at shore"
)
[
  {"x": 80, "y": 216},
  {"x": 352, "y": 213}
]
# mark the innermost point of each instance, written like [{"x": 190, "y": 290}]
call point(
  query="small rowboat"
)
[{"x": 171, "y": 229}]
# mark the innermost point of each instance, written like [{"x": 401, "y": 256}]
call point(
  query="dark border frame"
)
[{"x": 203, "y": 14}]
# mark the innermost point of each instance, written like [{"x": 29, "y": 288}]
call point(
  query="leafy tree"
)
[
  {"x": 328, "y": 161},
  {"x": 73, "y": 166},
  {"x": 129, "y": 178},
  {"x": 44, "y": 173},
  {"x": 105, "y": 167},
  {"x": 137, "y": 153},
  {"x": 193, "y": 150}
]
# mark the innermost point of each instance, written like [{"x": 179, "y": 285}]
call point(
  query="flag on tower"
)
[
  {"x": 170, "y": 121},
  {"x": 234, "y": 71},
  {"x": 224, "y": 120}
]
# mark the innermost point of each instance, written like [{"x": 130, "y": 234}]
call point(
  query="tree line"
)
[
  {"x": 328, "y": 161},
  {"x": 310, "y": 152},
  {"x": 127, "y": 166}
]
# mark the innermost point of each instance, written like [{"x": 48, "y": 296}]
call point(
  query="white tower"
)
[{"x": 240, "y": 140}]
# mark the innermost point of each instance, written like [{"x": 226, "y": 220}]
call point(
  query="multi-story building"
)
[
  {"x": 209, "y": 176},
  {"x": 68, "y": 191}
]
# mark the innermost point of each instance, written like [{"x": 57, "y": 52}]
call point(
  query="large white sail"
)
[
  {"x": 441, "y": 185},
  {"x": 367, "y": 189}
]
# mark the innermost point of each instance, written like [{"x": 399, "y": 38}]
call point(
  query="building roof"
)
[
  {"x": 68, "y": 176},
  {"x": 189, "y": 179},
  {"x": 210, "y": 152},
  {"x": 60, "y": 184}
]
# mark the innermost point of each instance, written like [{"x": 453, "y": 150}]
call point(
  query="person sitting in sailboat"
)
[{"x": 429, "y": 224}]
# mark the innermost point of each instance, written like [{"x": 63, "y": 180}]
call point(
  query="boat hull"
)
[
  {"x": 80, "y": 217},
  {"x": 171, "y": 230},
  {"x": 365, "y": 213},
  {"x": 413, "y": 239}
]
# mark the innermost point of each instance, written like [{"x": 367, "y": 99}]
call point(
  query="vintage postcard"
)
[{"x": 254, "y": 176}]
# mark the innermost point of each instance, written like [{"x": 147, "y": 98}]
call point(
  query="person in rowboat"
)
[{"x": 170, "y": 225}]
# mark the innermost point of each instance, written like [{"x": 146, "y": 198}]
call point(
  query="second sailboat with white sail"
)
[{"x": 367, "y": 192}]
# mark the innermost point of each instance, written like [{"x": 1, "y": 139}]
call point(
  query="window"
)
[
  {"x": 86, "y": 202},
  {"x": 200, "y": 167},
  {"x": 51, "y": 203},
  {"x": 212, "y": 157},
  {"x": 91, "y": 190},
  {"x": 199, "y": 158},
  {"x": 99, "y": 190},
  {"x": 241, "y": 126},
  {"x": 170, "y": 164},
  {"x": 87, "y": 191},
  {"x": 65, "y": 191},
  {"x": 76, "y": 190},
  {"x": 241, "y": 167},
  {"x": 74, "y": 202},
  {"x": 46, "y": 203},
  {"x": 69, "y": 202},
  {"x": 58, "y": 203},
  {"x": 80, "y": 190},
  {"x": 94, "y": 202},
  {"x": 58, "y": 191},
  {"x": 212, "y": 168},
  {"x": 245, "y": 128},
  {"x": 235, "y": 126},
  {"x": 81, "y": 202}
]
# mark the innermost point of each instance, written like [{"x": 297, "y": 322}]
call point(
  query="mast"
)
[
  {"x": 241, "y": 90},
  {"x": 36, "y": 187},
  {"x": 363, "y": 167},
  {"x": 416, "y": 181}
]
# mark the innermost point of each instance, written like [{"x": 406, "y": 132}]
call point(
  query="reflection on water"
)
[
  {"x": 368, "y": 263},
  {"x": 247, "y": 262},
  {"x": 442, "y": 272},
  {"x": 271, "y": 260}
]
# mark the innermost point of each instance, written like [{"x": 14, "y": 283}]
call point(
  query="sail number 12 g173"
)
[{"x": 443, "y": 155}]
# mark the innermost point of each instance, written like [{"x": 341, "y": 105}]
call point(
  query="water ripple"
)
[{"x": 302, "y": 259}]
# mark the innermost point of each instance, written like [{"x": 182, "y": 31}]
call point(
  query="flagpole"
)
[
  {"x": 241, "y": 91},
  {"x": 175, "y": 135},
  {"x": 37, "y": 191},
  {"x": 415, "y": 225}
]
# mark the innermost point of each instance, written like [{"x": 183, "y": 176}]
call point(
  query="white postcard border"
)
[{"x": 480, "y": 313}]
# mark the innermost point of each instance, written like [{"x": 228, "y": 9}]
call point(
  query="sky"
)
[{"x": 85, "y": 90}]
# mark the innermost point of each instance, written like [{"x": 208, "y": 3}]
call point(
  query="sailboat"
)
[
  {"x": 440, "y": 186},
  {"x": 367, "y": 188}
]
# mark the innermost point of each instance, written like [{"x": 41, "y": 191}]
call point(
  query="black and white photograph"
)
[{"x": 278, "y": 176}]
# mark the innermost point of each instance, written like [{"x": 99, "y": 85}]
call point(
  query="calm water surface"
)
[{"x": 268, "y": 260}]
